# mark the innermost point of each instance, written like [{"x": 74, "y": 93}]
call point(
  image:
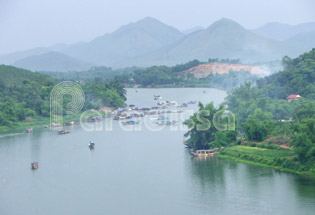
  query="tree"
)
[{"x": 202, "y": 134}]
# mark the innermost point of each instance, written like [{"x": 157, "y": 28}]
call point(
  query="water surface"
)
[{"x": 139, "y": 172}]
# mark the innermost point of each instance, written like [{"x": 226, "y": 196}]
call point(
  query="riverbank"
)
[
  {"x": 38, "y": 121},
  {"x": 279, "y": 159},
  {"x": 34, "y": 122}
]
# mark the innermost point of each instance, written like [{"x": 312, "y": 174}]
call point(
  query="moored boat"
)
[
  {"x": 29, "y": 130},
  {"x": 157, "y": 97},
  {"x": 94, "y": 119},
  {"x": 70, "y": 123},
  {"x": 91, "y": 145},
  {"x": 167, "y": 122},
  {"x": 63, "y": 132},
  {"x": 34, "y": 165},
  {"x": 205, "y": 153},
  {"x": 131, "y": 122}
]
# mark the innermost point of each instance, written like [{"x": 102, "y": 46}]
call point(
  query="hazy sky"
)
[{"x": 27, "y": 24}]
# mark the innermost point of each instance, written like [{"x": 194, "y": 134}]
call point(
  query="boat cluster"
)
[{"x": 129, "y": 117}]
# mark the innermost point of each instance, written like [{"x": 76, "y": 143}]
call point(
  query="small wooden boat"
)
[
  {"x": 29, "y": 130},
  {"x": 167, "y": 122},
  {"x": 119, "y": 117},
  {"x": 157, "y": 97},
  {"x": 34, "y": 165},
  {"x": 70, "y": 123},
  {"x": 131, "y": 122},
  {"x": 63, "y": 132},
  {"x": 205, "y": 153},
  {"x": 94, "y": 119},
  {"x": 183, "y": 105},
  {"x": 91, "y": 145}
]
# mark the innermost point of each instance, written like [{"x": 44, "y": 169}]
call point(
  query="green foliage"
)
[
  {"x": 25, "y": 94},
  {"x": 110, "y": 94},
  {"x": 276, "y": 157},
  {"x": 160, "y": 76},
  {"x": 231, "y": 61},
  {"x": 297, "y": 78},
  {"x": 203, "y": 135},
  {"x": 264, "y": 110},
  {"x": 174, "y": 76},
  {"x": 304, "y": 140},
  {"x": 258, "y": 125}
]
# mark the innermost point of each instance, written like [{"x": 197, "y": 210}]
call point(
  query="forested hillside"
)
[
  {"x": 298, "y": 77},
  {"x": 24, "y": 94},
  {"x": 265, "y": 116}
]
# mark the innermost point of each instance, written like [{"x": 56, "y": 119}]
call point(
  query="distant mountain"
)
[
  {"x": 281, "y": 32},
  {"x": 12, "y": 57},
  {"x": 223, "y": 39},
  {"x": 193, "y": 30},
  {"x": 150, "y": 42},
  {"x": 302, "y": 41},
  {"x": 128, "y": 41},
  {"x": 52, "y": 61}
]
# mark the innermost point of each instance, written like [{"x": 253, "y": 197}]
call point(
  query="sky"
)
[{"x": 26, "y": 24}]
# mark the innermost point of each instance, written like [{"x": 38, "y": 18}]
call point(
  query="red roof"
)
[{"x": 293, "y": 96}]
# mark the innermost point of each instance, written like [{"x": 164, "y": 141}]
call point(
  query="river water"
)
[{"x": 144, "y": 171}]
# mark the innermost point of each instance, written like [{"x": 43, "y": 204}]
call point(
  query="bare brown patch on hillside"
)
[{"x": 204, "y": 70}]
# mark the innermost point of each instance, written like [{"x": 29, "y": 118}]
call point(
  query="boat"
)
[
  {"x": 34, "y": 165},
  {"x": 167, "y": 122},
  {"x": 131, "y": 122},
  {"x": 119, "y": 117},
  {"x": 192, "y": 102},
  {"x": 95, "y": 119},
  {"x": 29, "y": 130},
  {"x": 91, "y": 145},
  {"x": 70, "y": 123},
  {"x": 163, "y": 118},
  {"x": 183, "y": 105},
  {"x": 63, "y": 132},
  {"x": 157, "y": 97},
  {"x": 205, "y": 153}
]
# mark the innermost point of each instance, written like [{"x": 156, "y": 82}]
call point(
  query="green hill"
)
[
  {"x": 297, "y": 78},
  {"x": 11, "y": 75}
]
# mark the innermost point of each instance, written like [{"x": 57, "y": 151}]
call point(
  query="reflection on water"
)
[
  {"x": 227, "y": 186},
  {"x": 138, "y": 172}
]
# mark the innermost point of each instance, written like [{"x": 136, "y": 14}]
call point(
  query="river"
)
[{"x": 143, "y": 171}]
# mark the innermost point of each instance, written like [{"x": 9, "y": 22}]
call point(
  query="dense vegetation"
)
[
  {"x": 161, "y": 76},
  {"x": 24, "y": 94},
  {"x": 265, "y": 117},
  {"x": 202, "y": 133},
  {"x": 298, "y": 77}
]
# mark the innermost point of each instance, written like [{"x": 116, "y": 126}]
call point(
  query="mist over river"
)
[{"x": 142, "y": 171}]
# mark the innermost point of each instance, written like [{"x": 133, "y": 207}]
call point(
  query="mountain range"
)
[{"x": 150, "y": 42}]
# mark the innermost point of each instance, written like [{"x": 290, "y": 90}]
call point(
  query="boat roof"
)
[{"x": 205, "y": 150}]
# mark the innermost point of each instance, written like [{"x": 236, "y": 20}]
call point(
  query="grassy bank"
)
[
  {"x": 280, "y": 159},
  {"x": 38, "y": 121}
]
